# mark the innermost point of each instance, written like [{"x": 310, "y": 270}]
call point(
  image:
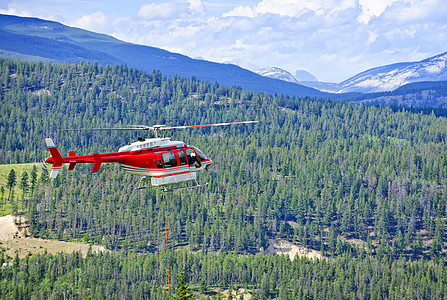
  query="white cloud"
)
[
  {"x": 372, "y": 37},
  {"x": 16, "y": 12},
  {"x": 241, "y": 11},
  {"x": 158, "y": 11},
  {"x": 289, "y": 8},
  {"x": 336, "y": 39},
  {"x": 332, "y": 39},
  {"x": 196, "y": 6},
  {"x": 415, "y": 10},
  {"x": 171, "y": 10},
  {"x": 96, "y": 21},
  {"x": 373, "y": 8}
]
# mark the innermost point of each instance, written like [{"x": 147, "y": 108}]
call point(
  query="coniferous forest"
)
[{"x": 364, "y": 185}]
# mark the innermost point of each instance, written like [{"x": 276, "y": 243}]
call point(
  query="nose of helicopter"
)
[
  {"x": 49, "y": 160},
  {"x": 209, "y": 162}
]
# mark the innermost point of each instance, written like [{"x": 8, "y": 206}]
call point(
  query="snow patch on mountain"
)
[
  {"x": 277, "y": 73},
  {"x": 391, "y": 77},
  {"x": 302, "y": 75},
  {"x": 379, "y": 79}
]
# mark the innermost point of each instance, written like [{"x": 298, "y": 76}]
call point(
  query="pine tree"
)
[
  {"x": 11, "y": 182},
  {"x": 183, "y": 292},
  {"x": 24, "y": 184},
  {"x": 33, "y": 179},
  {"x": 2, "y": 192}
]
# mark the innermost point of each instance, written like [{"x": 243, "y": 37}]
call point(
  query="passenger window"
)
[
  {"x": 181, "y": 157},
  {"x": 169, "y": 159}
]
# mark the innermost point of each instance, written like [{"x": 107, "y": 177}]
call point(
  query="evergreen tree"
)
[
  {"x": 24, "y": 184},
  {"x": 183, "y": 292},
  {"x": 33, "y": 179},
  {"x": 11, "y": 182},
  {"x": 2, "y": 192}
]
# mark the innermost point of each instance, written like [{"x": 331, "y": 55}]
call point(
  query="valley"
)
[{"x": 361, "y": 186}]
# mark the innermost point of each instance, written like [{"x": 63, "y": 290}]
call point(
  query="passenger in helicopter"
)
[{"x": 192, "y": 158}]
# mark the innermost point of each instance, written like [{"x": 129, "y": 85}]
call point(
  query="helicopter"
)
[{"x": 160, "y": 160}]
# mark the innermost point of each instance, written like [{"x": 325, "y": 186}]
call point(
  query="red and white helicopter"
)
[{"x": 159, "y": 159}]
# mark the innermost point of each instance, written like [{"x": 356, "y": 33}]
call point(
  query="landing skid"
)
[
  {"x": 197, "y": 185},
  {"x": 140, "y": 187},
  {"x": 165, "y": 189}
]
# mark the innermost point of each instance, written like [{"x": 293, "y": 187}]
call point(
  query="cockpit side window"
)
[
  {"x": 169, "y": 159},
  {"x": 190, "y": 151}
]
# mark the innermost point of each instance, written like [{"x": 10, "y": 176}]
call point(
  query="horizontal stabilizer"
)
[{"x": 54, "y": 171}]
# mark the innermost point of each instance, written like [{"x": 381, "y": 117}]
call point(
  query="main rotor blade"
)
[
  {"x": 156, "y": 127},
  {"x": 206, "y": 125},
  {"x": 106, "y": 129}
]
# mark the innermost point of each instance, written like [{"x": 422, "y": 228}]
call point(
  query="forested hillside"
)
[
  {"x": 421, "y": 94},
  {"x": 364, "y": 185}
]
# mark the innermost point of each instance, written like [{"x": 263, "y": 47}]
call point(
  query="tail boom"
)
[{"x": 57, "y": 160}]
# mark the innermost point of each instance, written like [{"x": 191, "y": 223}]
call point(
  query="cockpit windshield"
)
[{"x": 200, "y": 154}]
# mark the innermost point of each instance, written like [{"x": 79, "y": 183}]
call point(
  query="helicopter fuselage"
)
[{"x": 165, "y": 161}]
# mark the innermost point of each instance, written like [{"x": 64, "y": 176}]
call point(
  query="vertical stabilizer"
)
[{"x": 98, "y": 162}]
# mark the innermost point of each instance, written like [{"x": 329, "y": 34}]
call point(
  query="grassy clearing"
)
[
  {"x": 7, "y": 208},
  {"x": 19, "y": 169}
]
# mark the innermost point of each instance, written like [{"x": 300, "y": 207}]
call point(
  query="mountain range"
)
[
  {"x": 391, "y": 77},
  {"x": 36, "y": 39},
  {"x": 380, "y": 79},
  {"x": 278, "y": 73},
  {"x": 41, "y": 40}
]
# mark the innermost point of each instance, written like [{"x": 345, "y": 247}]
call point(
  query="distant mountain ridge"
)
[
  {"x": 379, "y": 79},
  {"x": 391, "y": 77},
  {"x": 277, "y": 73},
  {"x": 302, "y": 75},
  {"x": 36, "y": 39}
]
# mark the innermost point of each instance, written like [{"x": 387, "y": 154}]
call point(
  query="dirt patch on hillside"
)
[
  {"x": 356, "y": 242},
  {"x": 280, "y": 246},
  {"x": 239, "y": 294},
  {"x": 7, "y": 228},
  {"x": 13, "y": 240}
]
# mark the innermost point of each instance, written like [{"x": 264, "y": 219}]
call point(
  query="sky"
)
[{"x": 331, "y": 39}]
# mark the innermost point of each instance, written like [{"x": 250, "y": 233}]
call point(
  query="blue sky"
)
[{"x": 332, "y": 39}]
